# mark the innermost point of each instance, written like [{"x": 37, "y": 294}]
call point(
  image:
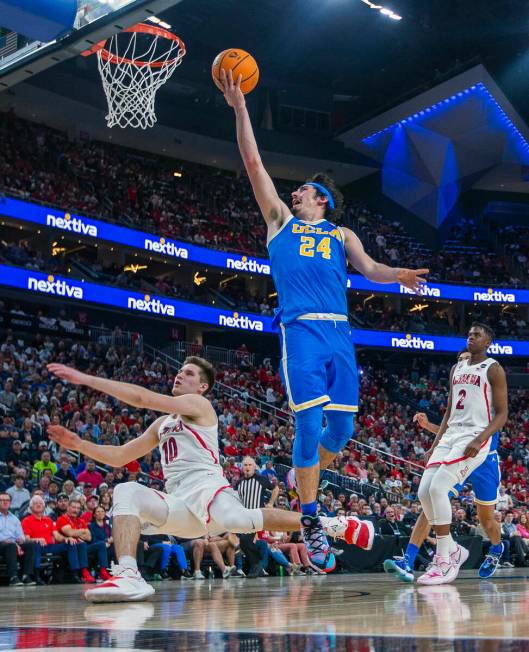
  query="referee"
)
[{"x": 255, "y": 492}]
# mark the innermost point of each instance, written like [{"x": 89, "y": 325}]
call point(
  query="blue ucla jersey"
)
[{"x": 309, "y": 269}]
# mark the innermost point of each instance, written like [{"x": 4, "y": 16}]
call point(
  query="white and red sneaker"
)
[
  {"x": 351, "y": 529},
  {"x": 459, "y": 557},
  {"x": 440, "y": 571},
  {"x": 125, "y": 585}
]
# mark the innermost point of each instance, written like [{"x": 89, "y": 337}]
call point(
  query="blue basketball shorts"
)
[
  {"x": 485, "y": 481},
  {"x": 318, "y": 365}
]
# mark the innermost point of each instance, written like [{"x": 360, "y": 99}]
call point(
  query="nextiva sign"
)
[
  {"x": 73, "y": 224},
  {"x": 166, "y": 247},
  {"x": 246, "y": 322},
  {"x": 55, "y": 286},
  {"x": 247, "y": 264},
  {"x": 412, "y": 342},
  {"x": 424, "y": 342},
  {"x": 495, "y": 295}
]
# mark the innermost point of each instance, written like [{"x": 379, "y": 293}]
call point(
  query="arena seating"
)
[
  {"x": 382, "y": 463},
  {"x": 212, "y": 207}
]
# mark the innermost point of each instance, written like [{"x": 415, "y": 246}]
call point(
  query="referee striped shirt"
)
[{"x": 254, "y": 491}]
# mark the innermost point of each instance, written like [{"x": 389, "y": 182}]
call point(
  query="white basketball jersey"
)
[
  {"x": 472, "y": 408},
  {"x": 186, "y": 448}
]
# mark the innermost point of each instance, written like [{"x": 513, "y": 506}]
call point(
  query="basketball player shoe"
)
[
  {"x": 351, "y": 529},
  {"x": 440, "y": 571},
  {"x": 400, "y": 567},
  {"x": 491, "y": 563},
  {"x": 125, "y": 585},
  {"x": 318, "y": 548}
]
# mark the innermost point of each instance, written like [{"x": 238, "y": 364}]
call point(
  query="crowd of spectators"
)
[
  {"x": 378, "y": 471},
  {"x": 211, "y": 207}
]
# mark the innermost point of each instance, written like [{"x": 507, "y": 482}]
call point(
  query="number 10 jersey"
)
[{"x": 187, "y": 448}]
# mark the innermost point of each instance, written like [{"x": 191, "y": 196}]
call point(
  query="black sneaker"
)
[
  {"x": 318, "y": 549},
  {"x": 15, "y": 581},
  {"x": 255, "y": 571},
  {"x": 27, "y": 580}
]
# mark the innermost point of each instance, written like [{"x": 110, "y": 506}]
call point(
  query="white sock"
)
[
  {"x": 128, "y": 562},
  {"x": 443, "y": 546},
  {"x": 453, "y": 544}
]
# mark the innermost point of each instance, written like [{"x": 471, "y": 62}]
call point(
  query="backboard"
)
[{"x": 22, "y": 57}]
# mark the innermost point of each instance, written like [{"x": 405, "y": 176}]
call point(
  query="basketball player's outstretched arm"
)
[
  {"x": 273, "y": 209},
  {"x": 114, "y": 456},
  {"x": 188, "y": 405},
  {"x": 498, "y": 384},
  {"x": 378, "y": 272}
]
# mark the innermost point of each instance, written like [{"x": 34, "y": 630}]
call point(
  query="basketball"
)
[{"x": 240, "y": 63}]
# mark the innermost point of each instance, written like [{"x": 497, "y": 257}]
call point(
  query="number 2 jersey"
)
[
  {"x": 472, "y": 408},
  {"x": 309, "y": 269}
]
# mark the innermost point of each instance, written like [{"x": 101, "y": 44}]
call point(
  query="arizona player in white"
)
[
  {"x": 477, "y": 408},
  {"x": 199, "y": 500}
]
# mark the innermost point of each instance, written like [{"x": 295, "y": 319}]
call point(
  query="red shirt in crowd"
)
[
  {"x": 75, "y": 523},
  {"x": 39, "y": 528},
  {"x": 94, "y": 477},
  {"x": 133, "y": 467}
]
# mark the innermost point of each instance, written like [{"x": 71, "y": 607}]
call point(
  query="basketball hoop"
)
[{"x": 133, "y": 65}]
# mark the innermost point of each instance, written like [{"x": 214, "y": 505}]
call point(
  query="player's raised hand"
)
[
  {"x": 64, "y": 437},
  {"x": 67, "y": 373},
  {"x": 412, "y": 278},
  {"x": 421, "y": 419},
  {"x": 231, "y": 89}
]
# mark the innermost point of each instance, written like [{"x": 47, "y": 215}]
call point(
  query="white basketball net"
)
[{"x": 130, "y": 80}]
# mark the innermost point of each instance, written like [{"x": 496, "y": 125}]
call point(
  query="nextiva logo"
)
[
  {"x": 241, "y": 321},
  {"x": 55, "y": 286},
  {"x": 162, "y": 246},
  {"x": 154, "y": 306},
  {"x": 495, "y": 295},
  {"x": 245, "y": 264},
  {"x": 410, "y": 342},
  {"x": 73, "y": 224},
  {"x": 426, "y": 291},
  {"x": 500, "y": 349}
]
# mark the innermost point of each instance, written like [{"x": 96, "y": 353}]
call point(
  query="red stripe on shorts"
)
[{"x": 226, "y": 486}]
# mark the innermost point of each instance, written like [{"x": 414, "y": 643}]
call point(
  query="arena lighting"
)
[
  {"x": 198, "y": 280},
  {"x": 177, "y": 174},
  {"x": 383, "y": 10},
  {"x": 479, "y": 90},
  {"x": 419, "y": 307},
  {"x": 134, "y": 268},
  {"x": 157, "y": 21}
]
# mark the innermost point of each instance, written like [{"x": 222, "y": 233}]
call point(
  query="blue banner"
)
[
  {"x": 66, "y": 288},
  {"x": 76, "y": 225}
]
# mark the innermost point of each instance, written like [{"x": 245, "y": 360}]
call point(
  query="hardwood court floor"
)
[{"x": 339, "y": 612}]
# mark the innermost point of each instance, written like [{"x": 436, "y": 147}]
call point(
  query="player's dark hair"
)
[
  {"x": 485, "y": 328},
  {"x": 465, "y": 350},
  {"x": 207, "y": 370},
  {"x": 325, "y": 180}
]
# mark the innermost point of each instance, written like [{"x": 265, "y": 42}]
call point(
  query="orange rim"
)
[{"x": 143, "y": 28}]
